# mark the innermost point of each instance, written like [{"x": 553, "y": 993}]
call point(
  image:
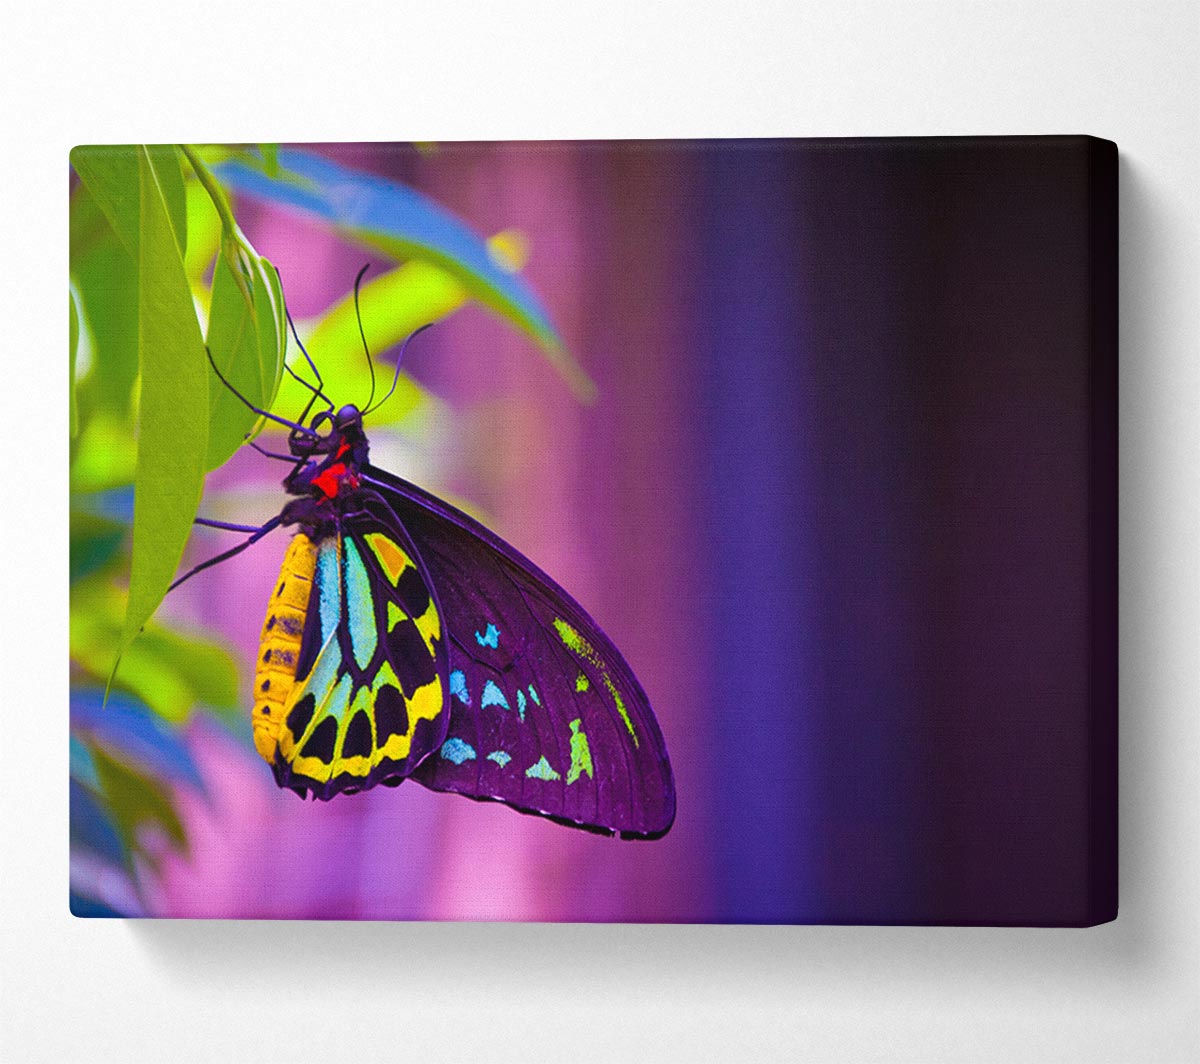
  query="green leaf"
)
[
  {"x": 142, "y": 673},
  {"x": 110, "y": 173},
  {"x": 279, "y": 342},
  {"x": 88, "y": 224},
  {"x": 173, "y": 421},
  {"x": 247, "y": 336},
  {"x": 74, "y": 339},
  {"x": 168, "y": 173},
  {"x": 239, "y": 256},
  {"x": 204, "y": 232},
  {"x": 106, "y": 282},
  {"x": 245, "y": 343}
]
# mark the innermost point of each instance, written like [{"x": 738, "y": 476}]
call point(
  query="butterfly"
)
[{"x": 405, "y": 641}]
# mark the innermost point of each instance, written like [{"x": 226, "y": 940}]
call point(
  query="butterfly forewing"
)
[{"x": 545, "y": 715}]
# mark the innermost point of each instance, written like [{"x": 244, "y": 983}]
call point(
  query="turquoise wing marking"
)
[{"x": 360, "y": 608}]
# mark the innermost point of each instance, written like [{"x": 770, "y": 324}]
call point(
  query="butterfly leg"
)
[
  {"x": 258, "y": 534},
  {"x": 225, "y": 525},
  {"x": 274, "y": 454},
  {"x": 316, "y": 391}
]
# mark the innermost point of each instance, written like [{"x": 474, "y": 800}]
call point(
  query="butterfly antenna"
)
[
  {"x": 317, "y": 391},
  {"x": 363, "y": 335},
  {"x": 399, "y": 359}
]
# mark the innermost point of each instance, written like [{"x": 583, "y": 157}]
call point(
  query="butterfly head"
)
[
  {"x": 336, "y": 450},
  {"x": 348, "y": 420},
  {"x": 330, "y": 432}
]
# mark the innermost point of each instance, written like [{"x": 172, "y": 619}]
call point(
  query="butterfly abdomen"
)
[{"x": 279, "y": 644}]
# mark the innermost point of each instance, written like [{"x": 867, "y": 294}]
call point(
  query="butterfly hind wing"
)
[
  {"x": 368, "y": 703},
  {"x": 545, "y": 714}
]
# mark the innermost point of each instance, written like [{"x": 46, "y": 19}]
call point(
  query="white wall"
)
[{"x": 125, "y": 991}]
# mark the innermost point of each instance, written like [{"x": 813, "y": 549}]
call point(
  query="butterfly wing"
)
[
  {"x": 545, "y": 714},
  {"x": 368, "y": 703}
]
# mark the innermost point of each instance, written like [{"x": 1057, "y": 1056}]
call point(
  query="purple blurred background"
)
[{"x": 831, "y": 504}]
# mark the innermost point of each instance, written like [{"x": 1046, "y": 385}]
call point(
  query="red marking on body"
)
[
  {"x": 329, "y": 481},
  {"x": 342, "y": 450}
]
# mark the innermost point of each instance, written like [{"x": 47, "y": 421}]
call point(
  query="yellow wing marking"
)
[
  {"x": 425, "y": 704},
  {"x": 575, "y": 641},
  {"x": 430, "y": 626}
]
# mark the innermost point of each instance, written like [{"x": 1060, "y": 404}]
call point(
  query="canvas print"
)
[{"x": 730, "y": 524}]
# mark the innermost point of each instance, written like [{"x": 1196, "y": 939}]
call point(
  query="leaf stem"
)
[
  {"x": 215, "y": 192},
  {"x": 235, "y": 246}
]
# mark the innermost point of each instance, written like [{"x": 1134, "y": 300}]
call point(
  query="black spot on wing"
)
[
  {"x": 410, "y": 657},
  {"x": 391, "y": 714},
  {"x": 390, "y": 771},
  {"x": 358, "y": 737},
  {"x": 301, "y": 714},
  {"x": 427, "y": 734},
  {"x": 320, "y": 744},
  {"x": 413, "y": 595}
]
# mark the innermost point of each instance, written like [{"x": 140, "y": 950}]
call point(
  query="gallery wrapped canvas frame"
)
[{"x": 746, "y": 519}]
